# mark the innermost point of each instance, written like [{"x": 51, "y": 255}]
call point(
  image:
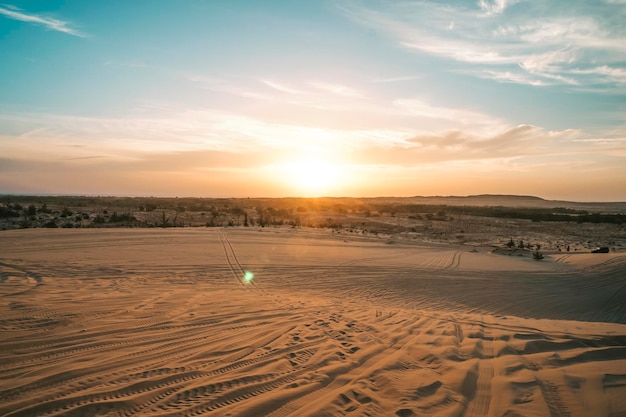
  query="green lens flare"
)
[{"x": 247, "y": 276}]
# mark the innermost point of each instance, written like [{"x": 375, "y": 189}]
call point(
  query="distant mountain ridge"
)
[
  {"x": 522, "y": 197},
  {"x": 506, "y": 200}
]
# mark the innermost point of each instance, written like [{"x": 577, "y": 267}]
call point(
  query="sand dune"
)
[{"x": 124, "y": 322}]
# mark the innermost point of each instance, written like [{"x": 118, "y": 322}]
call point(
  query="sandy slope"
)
[{"x": 161, "y": 322}]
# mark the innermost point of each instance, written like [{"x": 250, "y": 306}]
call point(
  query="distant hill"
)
[
  {"x": 516, "y": 201},
  {"x": 481, "y": 200}
]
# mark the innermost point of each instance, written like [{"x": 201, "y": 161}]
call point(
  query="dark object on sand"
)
[{"x": 602, "y": 249}]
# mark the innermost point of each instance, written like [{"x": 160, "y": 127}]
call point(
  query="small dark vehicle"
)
[{"x": 602, "y": 249}]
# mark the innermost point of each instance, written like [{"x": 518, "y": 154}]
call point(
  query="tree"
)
[
  {"x": 6, "y": 212},
  {"x": 261, "y": 219},
  {"x": 511, "y": 243},
  {"x": 164, "y": 220},
  {"x": 66, "y": 212},
  {"x": 537, "y": 255},
  {"x": 99, "y": 219},
  {"x": 44, "y": 209},
  {"x": 237, "y": 211}
]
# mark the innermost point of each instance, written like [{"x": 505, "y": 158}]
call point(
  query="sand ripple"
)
[{"x": 163, "y": 323}]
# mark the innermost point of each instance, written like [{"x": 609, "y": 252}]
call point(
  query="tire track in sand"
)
[
  {"x": 480, "y": 393},
  {"x": 231, "y": 258},
  {"x": 239, "y": 272}
]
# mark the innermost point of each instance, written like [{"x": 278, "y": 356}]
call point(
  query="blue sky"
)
[{"x": 337, "y": 97}]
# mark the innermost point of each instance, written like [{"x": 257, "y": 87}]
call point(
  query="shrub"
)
[
  {"x": 51, "y": 224},
  {"x": 6, "y": 212}
]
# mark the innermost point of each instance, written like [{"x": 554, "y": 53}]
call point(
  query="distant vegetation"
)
[
  {"x": 557, "y": 214},
  {"x": 71, "y": 212}
]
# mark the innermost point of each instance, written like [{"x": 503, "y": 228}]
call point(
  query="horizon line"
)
[{"x": 3, "y": 195}]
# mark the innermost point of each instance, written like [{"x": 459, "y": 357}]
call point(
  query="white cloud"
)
[
  {"x": 16, "y": 13},
  {"x": 549, "y": 61},
  {"x": 525, "y": 143},
  {"x": 495, "y": 6},
  {"x": 296, "y": 96},
  {"x": 460, "y": 51},
  {"x": 340, "y": 90},
  {"x": 509, "y": 44},
  {"x": 510, "y": 77},
  {"x": 507, "y": 143},
  {"x": 465, "y": 118},
  {"x": 559, "y": 30},
  {"x": 57, "y": 137},
  {"x": 603, "y": 73}
]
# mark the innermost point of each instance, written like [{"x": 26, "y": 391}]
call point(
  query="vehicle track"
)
[
  {"x": 479, "y": 404},
  {"x": 231, "y": 258}
]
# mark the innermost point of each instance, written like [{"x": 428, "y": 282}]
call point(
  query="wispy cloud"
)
[
  {"x": 335, "y": 105},
  {"x": 50, "y": 136},
  {"x": 603, "y": 74},
  {"x": 328, "y": 96},
  {"x": 421, "y": 108},
  {"x": 582, "y": 46},
  {"x": 57, "y": 137},
  {"x": 525, "y": 143},
  {"x": 495, "y": 6},
  {"x": 514, "y": 77},
  {"x": 318, "y": 87},
  {"x": 16, "y": 13},
  {"x": 336, "y": 89},
  {"x": 281, "y": 88},
  {"x": 201, "y": 145}
]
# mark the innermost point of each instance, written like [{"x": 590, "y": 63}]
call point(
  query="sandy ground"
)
[{"x": 122, "y": 322}]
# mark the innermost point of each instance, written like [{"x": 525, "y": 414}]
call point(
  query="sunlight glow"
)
[
  {"x": 312, "y": 176},
  {"x": 247, "y": 276}
]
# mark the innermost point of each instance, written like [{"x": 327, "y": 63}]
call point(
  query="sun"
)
[{"x": 312, "y": 177}]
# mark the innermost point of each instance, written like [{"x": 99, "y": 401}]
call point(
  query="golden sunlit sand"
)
[
  {"x": 313, "y": 208},
  {"x": 296, "y": 322}
]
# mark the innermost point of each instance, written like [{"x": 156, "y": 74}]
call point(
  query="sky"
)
[{"x": 359, "y": 98}]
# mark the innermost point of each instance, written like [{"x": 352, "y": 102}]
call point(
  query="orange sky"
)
[{"x": 326, "y": 98}]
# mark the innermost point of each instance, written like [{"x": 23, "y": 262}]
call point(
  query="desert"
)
[
  {"x": 287, "y": 320},
  {"x": 325, "y": 208}
]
